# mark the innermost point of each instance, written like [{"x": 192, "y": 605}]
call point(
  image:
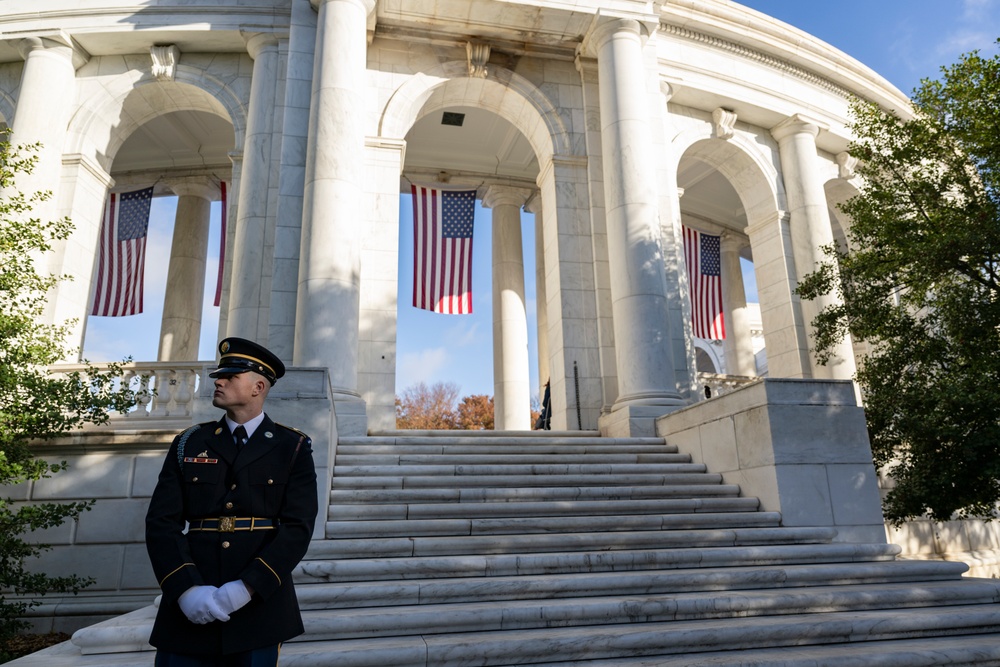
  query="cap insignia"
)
[{"x": 224, "y": 347}]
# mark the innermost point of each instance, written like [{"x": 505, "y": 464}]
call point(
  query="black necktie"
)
[{"x": 240, "y": 434}]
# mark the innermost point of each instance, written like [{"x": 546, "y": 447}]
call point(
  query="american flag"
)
[
  {"x": 704, "y": 267},
  {"x": 121, "y": 265},
  {"x": 442, "y": 249}
]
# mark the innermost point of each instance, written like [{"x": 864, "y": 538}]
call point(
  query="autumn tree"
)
[
  {"x": 35, "y": 404},
  {"x": 423, "y": 407},
  {"x": 920, "y": 284},
  {"x": 475, "y": 413}
]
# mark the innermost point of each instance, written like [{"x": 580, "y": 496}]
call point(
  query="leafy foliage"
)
[
  {"x": 34, "y": 403},
  {"x": 919, "y": 285},
  {"x": 423, "y": 407},
  {"x": 475, "y": 413}
]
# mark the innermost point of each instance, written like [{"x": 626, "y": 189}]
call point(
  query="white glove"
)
[
  {"x": 199, "y": 605},
  {"x": 232, "y": 596}
]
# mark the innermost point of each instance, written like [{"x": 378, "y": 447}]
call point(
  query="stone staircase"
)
[{"x": 571, "y": 549}]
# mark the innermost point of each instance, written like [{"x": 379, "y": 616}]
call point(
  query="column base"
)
[{"x": 633, "y": 421}]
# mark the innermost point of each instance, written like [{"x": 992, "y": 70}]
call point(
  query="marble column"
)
[
  {"x": 328, "y": 301},
  {"x": 42, "y": 114},
  {"x": 48, "y": 80},
  {"x": 638, "y": 279},
  {"x": 738, "y": 345},
  {"x": 180, "y": 327},
  {"x": 809, "y": 227},
  {"x": 534, "y": 205},
  {"x": 246, "y": 300},
  {"x": 511, "y": 389}
]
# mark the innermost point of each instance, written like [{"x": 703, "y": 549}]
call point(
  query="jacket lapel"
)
[{"x": 223, "y": 443}]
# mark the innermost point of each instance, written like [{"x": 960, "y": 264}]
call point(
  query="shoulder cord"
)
[{"x": 183, "y": 441}]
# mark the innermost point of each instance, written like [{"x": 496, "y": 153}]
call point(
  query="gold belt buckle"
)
[{"x": 227, "y": 524}]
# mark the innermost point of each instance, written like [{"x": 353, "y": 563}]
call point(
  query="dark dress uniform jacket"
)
[{"x": 271, "y": 477}]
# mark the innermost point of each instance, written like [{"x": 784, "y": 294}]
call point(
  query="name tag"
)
[{"x": 199, "y": 459}]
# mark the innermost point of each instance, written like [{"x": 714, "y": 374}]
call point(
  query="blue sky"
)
[{"x": 903, "y": 40}]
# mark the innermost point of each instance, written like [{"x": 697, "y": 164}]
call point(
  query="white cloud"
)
[
  {"x": 420, "y": 366},
  {"x": 463, "y": 334},
  {"x": 976, "y": 28}
]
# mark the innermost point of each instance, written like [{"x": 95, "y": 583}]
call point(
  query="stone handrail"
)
[{"x": 166, "y": 390}]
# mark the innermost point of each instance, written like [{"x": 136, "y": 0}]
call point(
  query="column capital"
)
[
  {"x": 605, "y": 27},
  {"x": 730, "y": 242},
  {"x": 501, "y": 195},
  {"x": 797, "y": 124},
  {"x": 195, "y": 186},
  {"x": 534, "y": 203},
  {"x": 55, "y": 42},
  {"x": 258, "y": 41},
  {"x": 367, "y": 5}
]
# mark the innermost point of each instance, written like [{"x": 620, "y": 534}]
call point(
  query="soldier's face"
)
[{"x": 235, "y": 391}]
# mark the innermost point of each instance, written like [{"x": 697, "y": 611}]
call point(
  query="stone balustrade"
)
[{"x": 166, "y": 391}]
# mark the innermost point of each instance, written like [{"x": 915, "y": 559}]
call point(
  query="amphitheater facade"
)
[{"x": 616, "y": 123}]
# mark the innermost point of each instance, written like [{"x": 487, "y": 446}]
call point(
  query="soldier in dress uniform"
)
[{"x": 245, "y": 489}]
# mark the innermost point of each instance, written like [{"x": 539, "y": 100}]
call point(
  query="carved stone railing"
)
[
  {"x": 713, "y": 385},
  {"x": 166, "y": 391}
]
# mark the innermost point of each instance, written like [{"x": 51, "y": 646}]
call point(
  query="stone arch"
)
[
  {"x": 706, "y": 354},
  {"x": 504, "y": 92},
  {"x": 747, "y": 168},
  {"x": 838, "y": 191},
  {"x": 105, "y": 120}
]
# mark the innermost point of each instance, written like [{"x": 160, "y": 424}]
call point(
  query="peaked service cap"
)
[{"x": 239, "y": 355}]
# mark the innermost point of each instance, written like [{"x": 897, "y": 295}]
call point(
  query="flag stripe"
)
[
  {"x": 704, "y": 264},
  {"x": 442, "y": 249},
  {"x": 121, "y": 264}
]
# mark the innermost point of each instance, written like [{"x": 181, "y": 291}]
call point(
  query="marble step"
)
[
  {"x": 364, "y": 512},
  {"x": 966, "y": 650},
  {"x": 493, "y": 438},
  {"x": 616, "y": 643},
  {"x": 500, "y": 470},
  {"x": 394, "y": 547},
  {"x": 531, "y": 494},
  {"x": 351, "y": 461},
  {"x": 451, "y": 590},
  {"x": 513, "y": 447},
  {"x": 552, "y": 525},
  {"x": 497, "y": 565},
  {"x": 625, "y": 608},
  {"x": 399, "y": 481}
]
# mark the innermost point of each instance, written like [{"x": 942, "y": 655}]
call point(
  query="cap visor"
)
[{"x": 228, "y": 370}]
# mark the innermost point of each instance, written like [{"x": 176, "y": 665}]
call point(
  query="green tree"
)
[
  {"x": 919, "y": 285},
  {"x": 35, "y": 404}
]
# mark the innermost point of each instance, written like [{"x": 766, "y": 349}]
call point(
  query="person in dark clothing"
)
[{"x": 245, "y": 490}]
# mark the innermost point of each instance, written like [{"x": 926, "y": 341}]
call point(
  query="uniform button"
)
[
  {"x": 194, "y": 479},
  {"x": 232, "y": 488},
  {"x": 229, "y": 506},
  {"x": 225, "y": 545},
  {"x": 270, "y": 481}
]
